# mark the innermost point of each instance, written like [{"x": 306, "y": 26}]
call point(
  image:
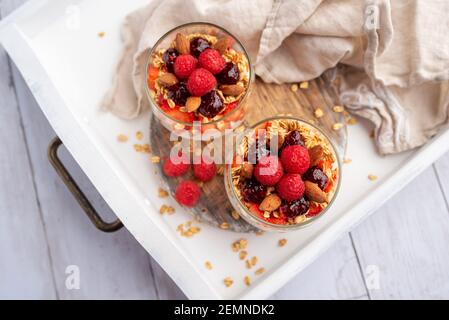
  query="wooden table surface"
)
[{"x": 400, "y": 252}]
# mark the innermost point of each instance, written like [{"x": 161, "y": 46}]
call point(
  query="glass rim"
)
[
  {"x": 242, "y": 100},
  {"x": 310, "y": 220}
]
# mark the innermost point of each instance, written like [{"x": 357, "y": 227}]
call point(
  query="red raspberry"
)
[
  {"x": 295, "y": 159},
  {"x": 206, "y": 170},
  {"x": 176, "y": 167},
  {"x": 201, "y": 82},
  {"x": 188, "y": 193},
  {"x": 269, "y": 170},
  {"x": 212, "y": 60},
  {"x": 185, "y": 65},
  {"x": 291, "y": 187}
]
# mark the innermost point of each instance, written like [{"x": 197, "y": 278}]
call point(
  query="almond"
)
[
  {"x": 247, "y": 170},
  {"x": 182, "y": 44},
  {"x": 314, "y": 193},
  {"x": 270, "y": 203},
  {"x": 316, "y": 154},
  {"x": 232, "y": 90},
  {"x": 222, "y": 45},
  {"x": 167, "y": 80},
  {"x": 193, "y": 103}
]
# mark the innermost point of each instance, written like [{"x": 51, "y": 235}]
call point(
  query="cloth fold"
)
[{"x": 391, "y": 57}]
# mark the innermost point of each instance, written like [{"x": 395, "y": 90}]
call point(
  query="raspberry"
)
[
  {"x": 185, "y": 65},
  {"x": 212, "y": 60},
  {"x": 188, "y": 193},
  {"x": 291, "y": 187},
  {"x": 201, "y": 82},
  {"x": 176, "y": 167},
  {"x": 295, "y": 159},
  {"x": 269, "y": 170},
  {"x": 206, "y": 170}
]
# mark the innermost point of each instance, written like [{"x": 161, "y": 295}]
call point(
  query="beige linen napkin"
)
[{"x": 392, "y": 57}]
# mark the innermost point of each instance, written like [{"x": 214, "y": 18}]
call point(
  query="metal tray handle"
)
[{"x": 76, "y": 191}]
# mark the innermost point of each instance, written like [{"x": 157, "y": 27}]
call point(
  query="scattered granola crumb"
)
[
  {"x": 259, "y": 233},
  {"x": 347, "y": 160},
  {"x": 139, "y": 135},
  {"x": 163, "y": 193},
  {"x": 155, "y": 159},
  {"x": 248, "y": 264},
  {"x": 300, "y": 219},
  {"x": 247, "y": 281},
  {"x": 166, "y": 210},
  {"x": 235, "y": 215},
  {"x": 254, "y": 261},
  {"x": 266, "y": 215},
  {"x": 101, "y": 34},
  {"x": 208, "y": 265},
  {"x": 188, "y": 230},
  {"x": 337, "y": 126},
  {"x": 351, "y": 121},
  {"x": 228, "y": 282},
  {"x": 372, "y": 177},
  {"x": 243, "y": 254},
  {"x": 225, "y": 226},
  {"x": 282, "y": 242},
  {"x": 294, "y": 87},
  {"x": 122, "y": 138},
  {"x": 259, "y": 271},
  {"x": 338, "y": 109},
  {"x": 319, "y": 113},
  {"x": 304, "y": 85}
]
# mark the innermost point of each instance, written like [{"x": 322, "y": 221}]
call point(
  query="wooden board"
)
[{"x": 266, "y": 100}]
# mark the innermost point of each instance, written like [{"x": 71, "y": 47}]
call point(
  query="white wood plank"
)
[
  {"x": 335, "y": 275},
  {"x": 442, "y": 170},
  {"x": 166, "y": 288},
  {"x": 111, "y": 266},
  {"x": 25, "y": 268},
  {"x": 407, "y": 242}
]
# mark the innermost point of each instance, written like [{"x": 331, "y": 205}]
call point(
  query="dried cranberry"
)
[
  {"x": 211, "y": 104},
  {"x": 178, "y": 93},
  {"x": 229, "y": 75},
  {"x": 295, "y": 208},
  {"x": 198, "y": 45},
  {"x": 294, "y": 138},
  {"x": 169, "y": 58},
  {"x": 253, "y": 191},
  {"x": 316, "y": 175}
]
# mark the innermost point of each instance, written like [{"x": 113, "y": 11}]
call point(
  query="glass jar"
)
[
  {"x": 174, "y": 117},
  {"x": 250, "y": 211}
]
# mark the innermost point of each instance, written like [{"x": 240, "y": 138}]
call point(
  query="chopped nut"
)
[
  {"x": 247, "y": 170},
  {"x": 337, "y": 126},
  {"x": 351, "y": 121},
  {"x": 139, "y": 135},
  {"x": 235, "y": 215},
  {"x": 282, "y": 242},
  {"x": 193, "y": 103},
  {"x": 208, "y": 265},
  {"x": 338, "y": 109},
  {"x": 271, "y": 203},
  {"x": 300, "y": 219},
  {"x": 259, "y": 271},
  {"x": 222, "y": 45},
  {"x": 319, "y": 113},
  {"x": 247, "y": 280},
  {"x": 225, "y": 226},
  {"x": 163, "y": 193},
  {"x": 122, "y": 138},
  {"x": 314, "y": 192},
  {"x": 254, "y": 261},
  {"x": 243, "y": 254},
  {"x": 228, "y": 282},
  {"x": 372, "y": 177},
  {"x": 316, "y": 154},
  {"x": 304, "y": 85},
  {"x": 182, "y": 44},
  {"x": 266, "y": 215},
  {"x": 155, "y": 159},
  {"x": 294, "y": 87},
  {"x": 232, "y": 90},
  {"x": 167, "y": 80}
]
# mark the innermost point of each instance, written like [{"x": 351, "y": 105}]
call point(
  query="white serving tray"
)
[{"x": 68, "y": 68}]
